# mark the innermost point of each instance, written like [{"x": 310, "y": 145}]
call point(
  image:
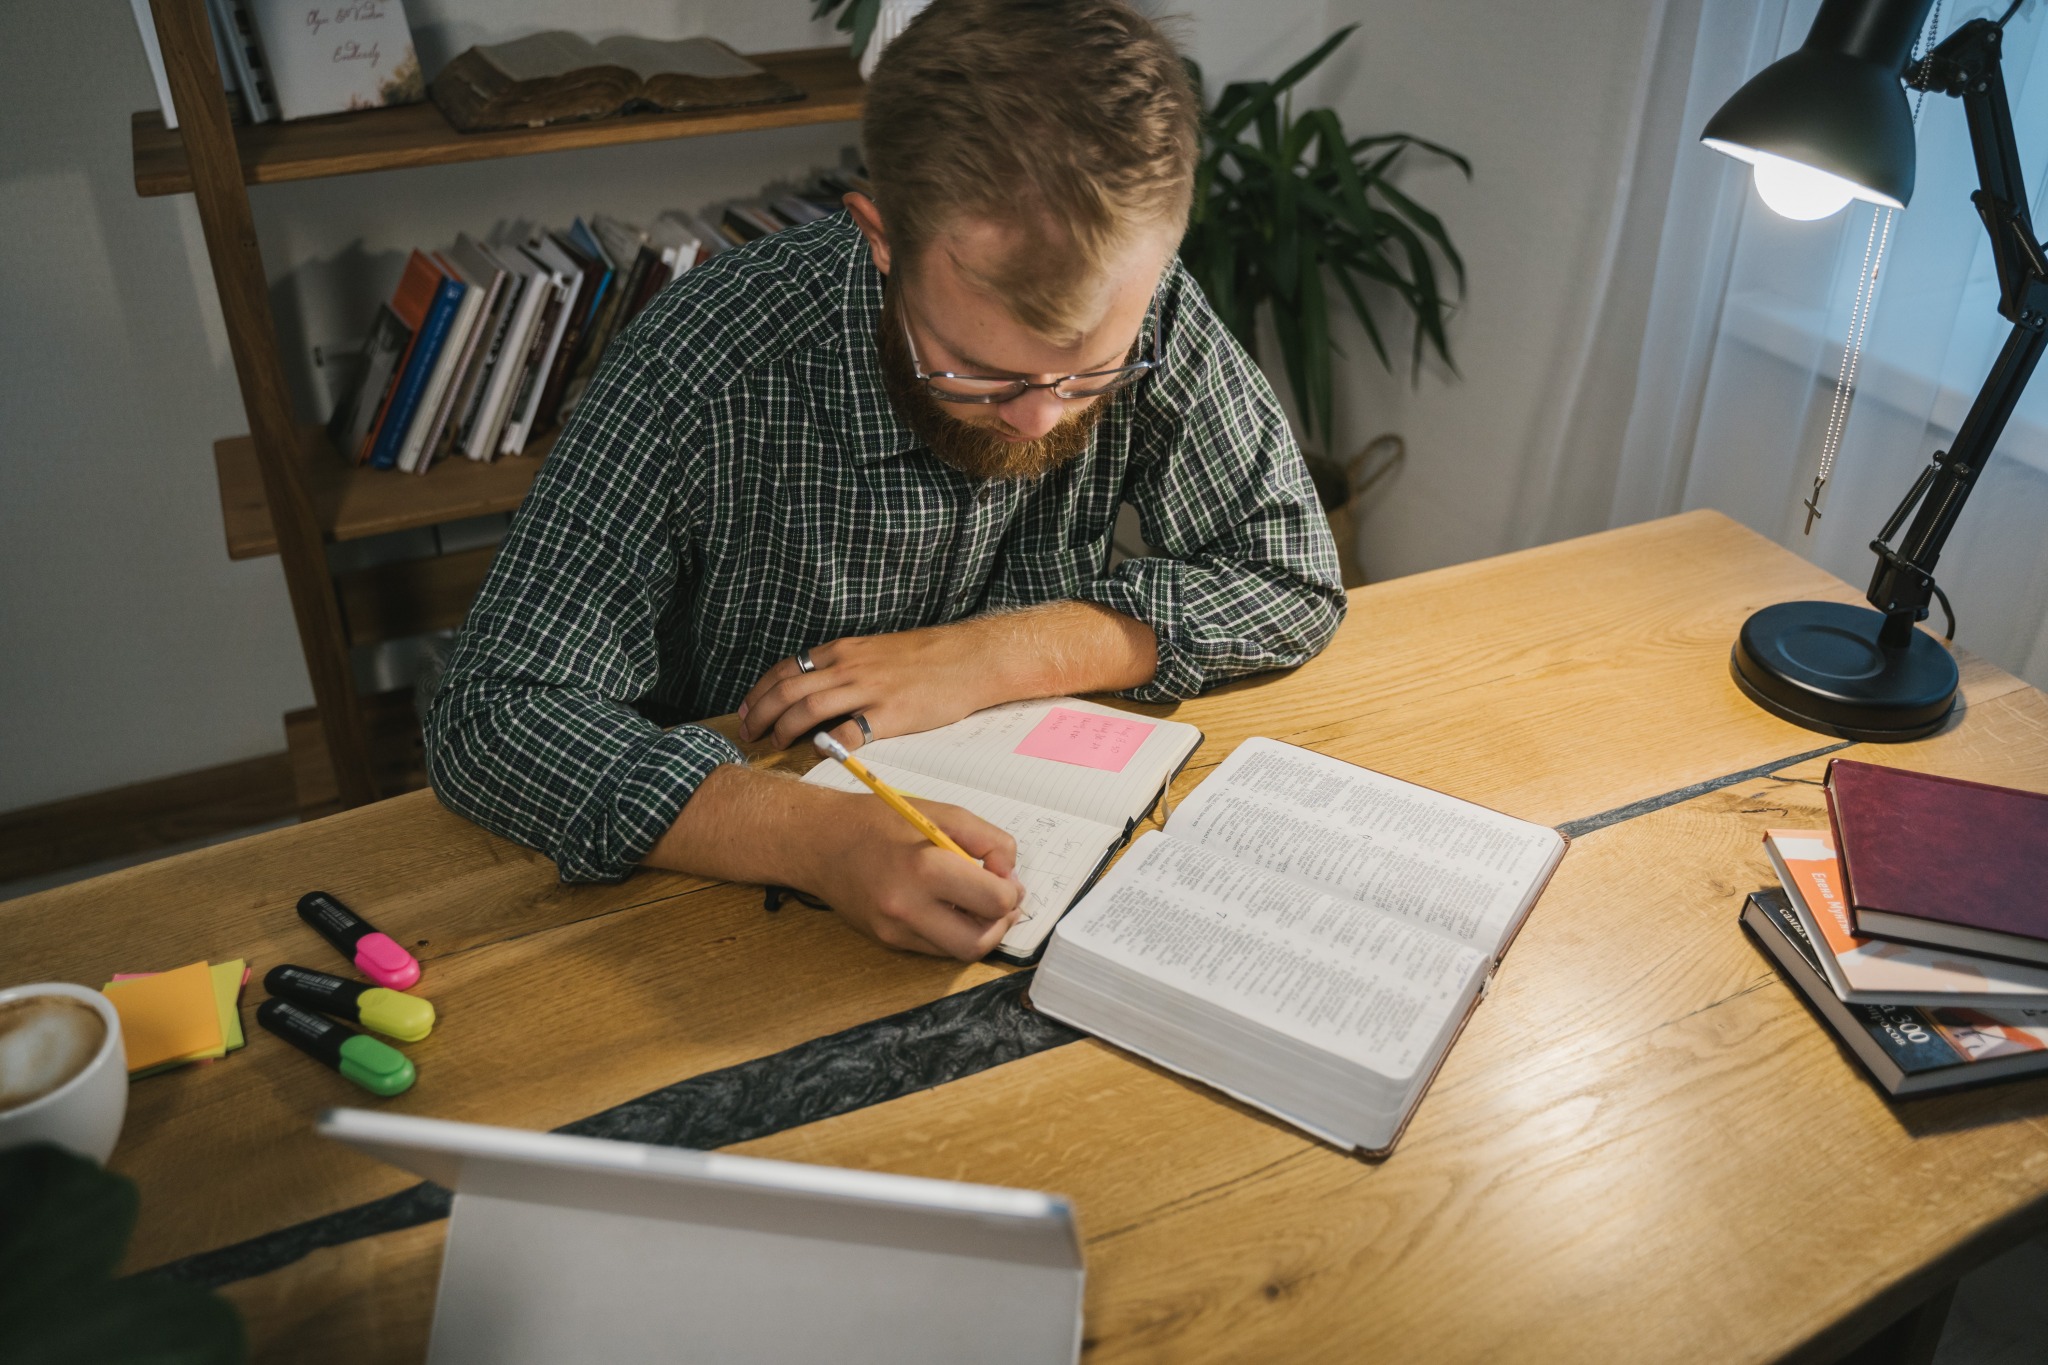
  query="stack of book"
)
[
  {"x": 1915, "y": 925},
  {"x": 483, "y": 348}
]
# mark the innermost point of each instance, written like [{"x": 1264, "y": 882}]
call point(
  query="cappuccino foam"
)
[{"x": 45, "y": 1040}]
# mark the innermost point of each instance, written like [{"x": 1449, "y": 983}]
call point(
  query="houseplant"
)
[{"x": 1287, "y": 204}]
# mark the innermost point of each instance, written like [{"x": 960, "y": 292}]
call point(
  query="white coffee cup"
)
[{"x": 85, "y": 1113}]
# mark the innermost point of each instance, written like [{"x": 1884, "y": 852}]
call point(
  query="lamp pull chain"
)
[{"x": 1859, "y": 318}]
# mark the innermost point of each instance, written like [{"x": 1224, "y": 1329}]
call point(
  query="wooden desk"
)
[{"x": 1642, "y": 1149}]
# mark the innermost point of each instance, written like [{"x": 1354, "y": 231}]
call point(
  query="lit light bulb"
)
[{"x": 1799, "y": 191}]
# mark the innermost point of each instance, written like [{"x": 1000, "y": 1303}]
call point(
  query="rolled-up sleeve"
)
[
  {"x": 1242, "y": 573},
  {"x": 532, "y": 734}
]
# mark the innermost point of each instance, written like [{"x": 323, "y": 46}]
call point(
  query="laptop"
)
[{"x": 570, "y": 1248}]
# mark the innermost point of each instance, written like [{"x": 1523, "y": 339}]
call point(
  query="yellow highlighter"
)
[{"x": 832, "y": 748}]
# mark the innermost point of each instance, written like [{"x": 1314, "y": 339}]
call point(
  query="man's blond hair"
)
[{"x": 1071, "y": 124}]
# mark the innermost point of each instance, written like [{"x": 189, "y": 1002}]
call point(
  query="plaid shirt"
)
[{"x": 735, "y": 486}]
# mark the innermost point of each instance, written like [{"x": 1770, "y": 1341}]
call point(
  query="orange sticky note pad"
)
[{"x": 167, "y": 1017}]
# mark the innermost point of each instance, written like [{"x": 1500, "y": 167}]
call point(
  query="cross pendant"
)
[{"x": 1812, "y": 506}]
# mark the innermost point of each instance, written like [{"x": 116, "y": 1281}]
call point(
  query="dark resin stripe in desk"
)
[
  {"x": 954, "y": 1036},
  {"x": 885, "y": 1059}
]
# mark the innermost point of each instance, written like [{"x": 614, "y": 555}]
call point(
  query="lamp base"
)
[{"x": 1819, "y": 665}]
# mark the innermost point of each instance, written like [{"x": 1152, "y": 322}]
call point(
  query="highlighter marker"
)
[
  {"x": 404, "y": 1017},
  {"x": 376, "y": 1067},
  {"x": 375, "y": 955}
]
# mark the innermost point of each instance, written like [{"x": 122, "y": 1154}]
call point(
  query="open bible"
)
[
  {"x": 1068, "y": 779},
  {"x": 1305, "y": 935}
]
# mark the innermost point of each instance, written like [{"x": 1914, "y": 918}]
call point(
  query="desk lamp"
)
[{"x": 1825, "y": 125}]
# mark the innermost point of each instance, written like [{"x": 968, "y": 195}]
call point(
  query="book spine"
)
[
  {"x": 145, "y": 23},
  {"x": 417, "y": 370},
  {"x": 518, "y": 425},
  {"x": 435, "y": 396}
]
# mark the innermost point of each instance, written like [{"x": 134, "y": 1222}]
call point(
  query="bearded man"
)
[{"x": 863, "y": 474}]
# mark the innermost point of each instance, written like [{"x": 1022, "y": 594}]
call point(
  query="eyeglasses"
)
[{"x": 949, "y": 387}]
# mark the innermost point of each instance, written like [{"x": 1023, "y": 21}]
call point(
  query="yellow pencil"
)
[{"x": 897, "y": 802}]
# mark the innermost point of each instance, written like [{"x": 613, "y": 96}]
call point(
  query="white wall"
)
[
  {"x": 1539, "y": 97},
  {"x": 131, "y": 647}
]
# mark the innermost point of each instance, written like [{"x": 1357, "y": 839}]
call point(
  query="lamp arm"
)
[{"x": 1967, "y": 64}]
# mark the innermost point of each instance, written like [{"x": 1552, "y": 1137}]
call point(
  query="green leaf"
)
[
  {"x": 128, "y": 1322},
  {"x": 1283, "y": 196},
  {"x": 63, "y": 1223},
  {"x": 862, "y": 15}
]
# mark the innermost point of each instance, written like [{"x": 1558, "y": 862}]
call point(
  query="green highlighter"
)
[
  {"x": 376, "y": 1067},
  {"x": 377, "y": 1008}
]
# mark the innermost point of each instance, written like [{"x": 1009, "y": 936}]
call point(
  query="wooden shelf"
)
[
  {"x": 411, "y": 596},
  {"x": 351, "y": 502},
  {"x": 417, "y": 134}
]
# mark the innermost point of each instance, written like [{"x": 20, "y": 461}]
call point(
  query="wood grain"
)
[
  {"x": 411, "y": 596},
  {"x": 185, "y": 35},
  {"x": 417, "y": 134},
  {"x": 144, "y": 816},
  {"x": 391, "y": 730},
  {"x": 1638, "y": 1112},
  {"x": 351, "y": 501}
]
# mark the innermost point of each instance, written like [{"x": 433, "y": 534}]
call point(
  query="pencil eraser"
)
[{"x": 379, "y": 957}]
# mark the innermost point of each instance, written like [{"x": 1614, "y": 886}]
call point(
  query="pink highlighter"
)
[{"x": 375, "y": 955}]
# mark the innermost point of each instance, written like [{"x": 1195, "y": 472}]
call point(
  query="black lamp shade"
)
[{"x": 1836, "y": 104}]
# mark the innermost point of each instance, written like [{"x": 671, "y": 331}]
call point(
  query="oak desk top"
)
[{"x": 1643, "y": 1148}]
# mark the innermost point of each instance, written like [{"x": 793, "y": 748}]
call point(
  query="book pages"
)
[
  {"x": 1369, "y": 987},
  {"x": 1457, "y": 868},
  {"x": 1056, "y": 853},
  {"x": 982, "y": 752}
]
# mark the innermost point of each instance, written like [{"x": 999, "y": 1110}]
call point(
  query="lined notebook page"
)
[
  {"x": 1056, "y": 852},
  {"x": 1431, "y": 858},
  {"x": 981, "y": 752},
  {"x": 1367, "y": 986}
]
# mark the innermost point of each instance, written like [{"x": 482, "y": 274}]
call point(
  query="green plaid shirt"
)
[{"x": 735, "y": 486}]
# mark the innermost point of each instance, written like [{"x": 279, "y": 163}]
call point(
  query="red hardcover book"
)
[{"x": 1941, "y": 861}]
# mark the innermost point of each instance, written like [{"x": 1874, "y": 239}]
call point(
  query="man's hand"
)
[
  {"x": 902, "y": 890},
  {"x": 855, "y": 854},
  {"x": 921, "y": 679}
]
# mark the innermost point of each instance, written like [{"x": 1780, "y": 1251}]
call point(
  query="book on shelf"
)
[
  {"x": 482, "y": 269},
  {"x": 564, "y": 282},
  {"x": 355, "y": 416},
  {"x": 1942, "y": 862},
  {"x": 235, "y": 35},
  {"x": 559, "y": 77},
  {"x": 1907, "y": 1049},
  {"x": 432, "y": 331},
  {"x": 1871, "y": 971},
  {"x": 486, "y": 345},
  {"x": 409, "y": 305},
  {"x": 483, "y": 281},
  {"x": 330, "y": 58},
  {"x": 453, "y": 350},
  {"x": 1068, "y": 779},
  {"x": 531, "y": 285},
  {"x": 1304, "y": 935}
]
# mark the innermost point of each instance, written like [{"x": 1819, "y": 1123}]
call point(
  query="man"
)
[{"x": 864, "y": 473}]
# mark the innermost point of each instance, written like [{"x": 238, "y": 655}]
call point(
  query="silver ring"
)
[
  {"x": 867, "y": 736},
  {"x": 803, "y": 662}
]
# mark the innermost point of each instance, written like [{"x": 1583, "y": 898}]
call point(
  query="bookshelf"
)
[{"x": 284, "y": 490}]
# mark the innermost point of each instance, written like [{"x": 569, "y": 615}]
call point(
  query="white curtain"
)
[{"x": 1717, "y": 344}]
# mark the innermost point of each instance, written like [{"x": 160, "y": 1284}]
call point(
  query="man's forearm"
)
[
  {"x": 1060, "y": 648},
  {"x": 745, "y": 826}
]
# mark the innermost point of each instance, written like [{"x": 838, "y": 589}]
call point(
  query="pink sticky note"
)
[{"x": 1086, "y": 739}]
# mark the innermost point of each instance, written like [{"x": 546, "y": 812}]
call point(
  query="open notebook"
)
[
  {"x": 1305, "y": 935},
  {"x": 1068, "y": 779}
]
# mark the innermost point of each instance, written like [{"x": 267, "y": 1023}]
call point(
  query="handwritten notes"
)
[
  {"x": 329, "y": 55},
  {"x": 1086, "y": 739}
]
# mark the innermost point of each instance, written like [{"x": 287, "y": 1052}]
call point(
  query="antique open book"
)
[
  {"x": 1068, "y": 779},
  {"x": 1305, "y": 935}
]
